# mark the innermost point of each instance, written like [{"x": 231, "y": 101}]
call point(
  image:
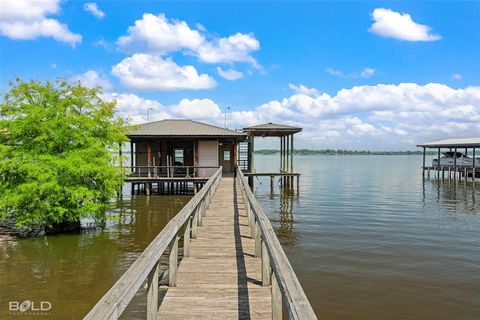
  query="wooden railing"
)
[
  {"x": 146, "y": 267},
  {"x": 169, "y": 171},
  {"x": 276, "y": 269}
]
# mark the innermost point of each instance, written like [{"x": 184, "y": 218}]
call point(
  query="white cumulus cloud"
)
[
  {"x": 383, "y": 116},
  {"x": 303, "y": 89},
  {"x": 93, "y": 79},
  {"x": 156, "y": 34},
  {"x": 27, "y": 20},
  {"x": 235, "y": 48},
  {"x": 229, "y": 74},
  {"x": 457, "y": 76},
  {"x": 364, "y": 73},
  {"x": 93, "y": 8},
  {"x": 149, "y": 72},
  {"x": 197, "y": 109},
  {"x": 392, "y": 24}
]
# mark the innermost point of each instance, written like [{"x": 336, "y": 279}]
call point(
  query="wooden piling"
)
[{"x": 271, "y": 184}]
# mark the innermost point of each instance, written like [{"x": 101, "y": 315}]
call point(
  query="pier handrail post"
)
[
  {"x": 145, "y": 268},
  {"x": 173, "y": 263},
  {"x": 266, "y": 269},
  {"x": 258, "y": 240},
  {"x": 201, "y": 214},
  {"x": 152, "y": 292},
  {"x": 252, "y": 225},
  {"x": 195, "y": 222},
  {"x": 186, "y": 238},
  {"x": 286, "y": 290},
  {"x": 277, "y": 305}
]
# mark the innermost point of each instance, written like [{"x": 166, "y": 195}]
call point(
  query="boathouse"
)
[
  {"x": 184, "y": 143},
  {"x": 455, "y": 161}
]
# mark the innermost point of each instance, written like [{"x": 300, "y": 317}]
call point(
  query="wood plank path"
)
[{"x": 221, "y": 278}]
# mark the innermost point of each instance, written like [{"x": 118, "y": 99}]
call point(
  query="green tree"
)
[{"x": 58, "y": 153}]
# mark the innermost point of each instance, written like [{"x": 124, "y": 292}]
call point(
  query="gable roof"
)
[
  {"x": 452, "y": 143},
  {"x": 182, "y": 128}
]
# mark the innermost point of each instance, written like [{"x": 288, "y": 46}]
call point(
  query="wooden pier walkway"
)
[
  {"x": 220, "y": 278},
  {"x": 232, "y": 267}
]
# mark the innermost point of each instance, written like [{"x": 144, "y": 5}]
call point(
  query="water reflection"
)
[
  {"x": 73, "y": 271},
  {"x": 455, "y": 196},
  {"x": 281, "y": 214}
]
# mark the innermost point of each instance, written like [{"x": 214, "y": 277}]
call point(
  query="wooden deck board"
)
[{"x": 221, "y": 278}]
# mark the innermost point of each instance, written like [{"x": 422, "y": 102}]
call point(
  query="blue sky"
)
[{"x": 356, "y": 75}]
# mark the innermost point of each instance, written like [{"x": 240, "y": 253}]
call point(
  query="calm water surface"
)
[
  {"x": 73, "y": 271},
  {"x": 369, "y": 240}
]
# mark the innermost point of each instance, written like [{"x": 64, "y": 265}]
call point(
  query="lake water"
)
[
  {"x": 369, "y": 239},
  {"x": 73, "y": 271}
]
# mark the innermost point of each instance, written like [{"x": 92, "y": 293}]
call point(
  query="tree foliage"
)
[{"x": 58, "y": 153}]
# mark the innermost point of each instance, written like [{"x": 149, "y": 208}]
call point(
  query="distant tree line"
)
[{"x": 332, "y": 152}]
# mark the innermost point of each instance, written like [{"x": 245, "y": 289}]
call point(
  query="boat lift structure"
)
[{"x": 455, "y": 172}]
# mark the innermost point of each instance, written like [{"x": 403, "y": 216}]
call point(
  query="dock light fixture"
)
[
  {"x": 148, "y": 114},
  {"x": 226, "y": 110}
]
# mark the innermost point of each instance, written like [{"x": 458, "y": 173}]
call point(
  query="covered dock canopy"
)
[
  {"x": 271, "y": 130},
  {"x": 452, "y": 143},
  {"x": 285, "y": 133}
]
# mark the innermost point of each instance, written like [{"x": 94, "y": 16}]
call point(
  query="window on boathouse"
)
[{"x": 179, "y": 157}]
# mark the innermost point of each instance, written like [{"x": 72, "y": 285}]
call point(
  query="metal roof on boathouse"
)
[
  {"x": 182, "y": 128},
  {"x": 452, "y": 143}
]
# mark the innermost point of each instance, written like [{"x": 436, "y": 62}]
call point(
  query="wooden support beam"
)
[
  {"x": 438, "y": 163},
  {"x": 253, "y": 154},
  {"x": 298, "y": 185},
  {"x": 287, "y": 154},
  {"x": 281, "y": 153},
  {"x": 473, "y": 165},
  {"x": 131, "y": 154},
  {"x": 149, "y": 158},
  {"x": 455, "y": 165},
  {"x": 423, "y": 166},
  {"x": 291, "y": 158}
]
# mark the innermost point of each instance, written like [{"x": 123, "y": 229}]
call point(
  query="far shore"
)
[{"x": 331, "y": 152}]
